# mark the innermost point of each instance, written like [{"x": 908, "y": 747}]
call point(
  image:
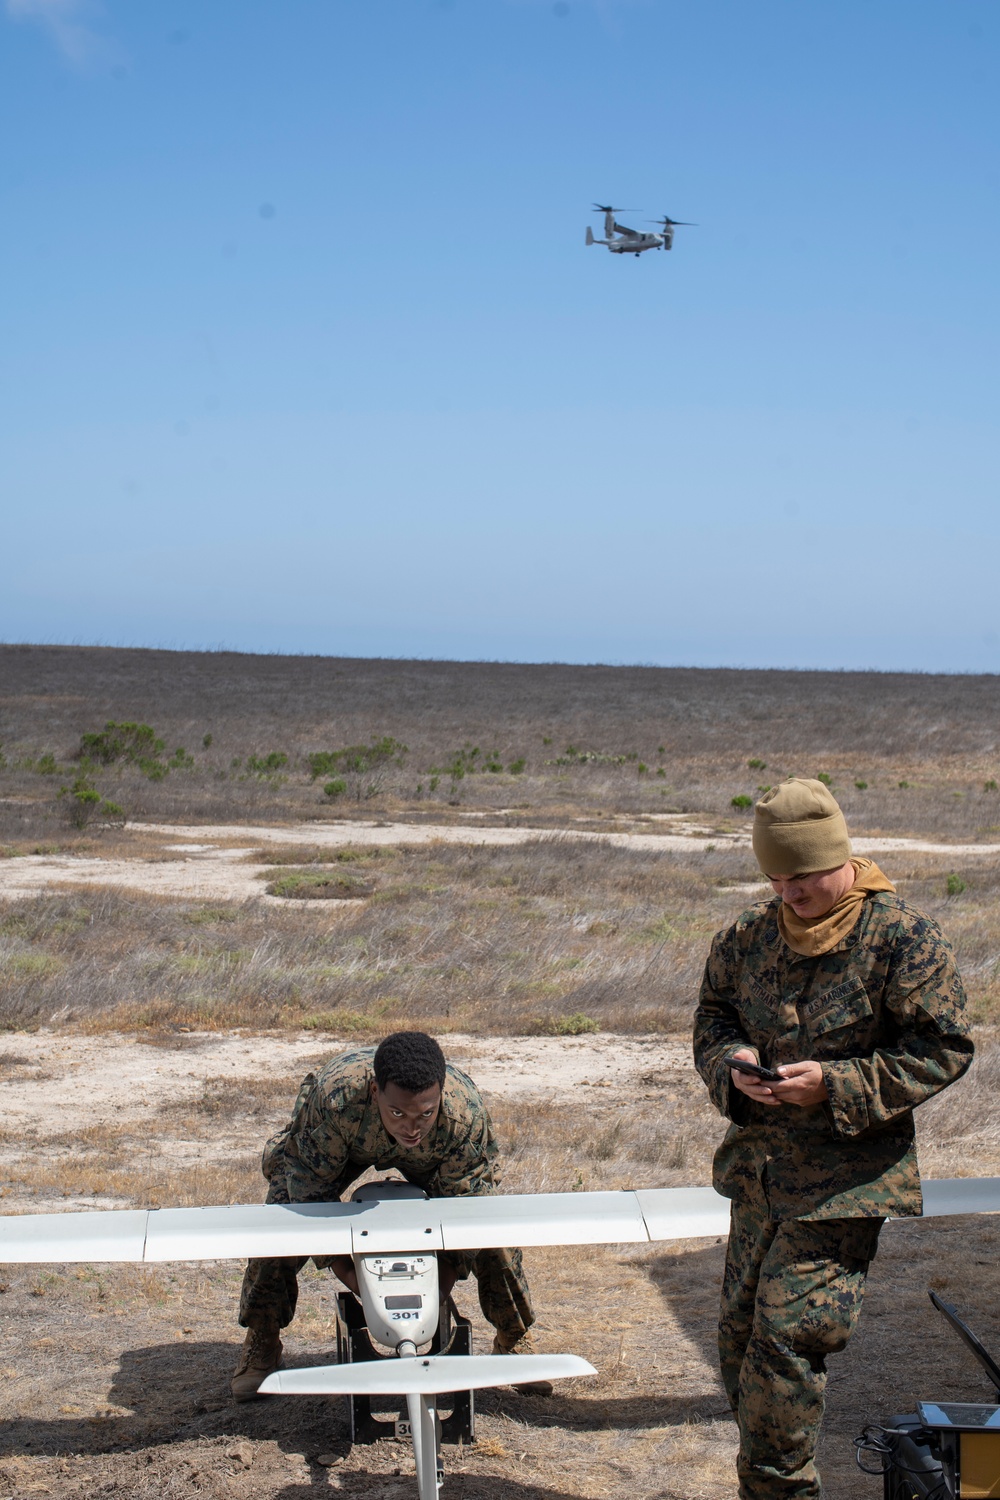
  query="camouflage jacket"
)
[
  {"x": 883, "y": 1012},
  {"x": 336, "y": 1131}
]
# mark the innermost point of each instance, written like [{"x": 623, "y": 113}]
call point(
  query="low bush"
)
[
  {"x": 84, "y": 804},
  {"x": 364, "y": 768},
  {"x": 318, "y": 885},
  {"x": 575, "y": 1025},
  {"x": 125, "y": 742}
]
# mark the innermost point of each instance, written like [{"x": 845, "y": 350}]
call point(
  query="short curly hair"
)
[{"x": 410, "y": 1059}]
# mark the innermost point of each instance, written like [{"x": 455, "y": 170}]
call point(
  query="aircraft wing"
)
[
  {"x": 470, "y": 1223},
  {"x": 425, "y": 1376},
  {"x": 635, "y": 234}
]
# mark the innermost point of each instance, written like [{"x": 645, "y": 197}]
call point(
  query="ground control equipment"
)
[{"x": 946, "y": 1450}]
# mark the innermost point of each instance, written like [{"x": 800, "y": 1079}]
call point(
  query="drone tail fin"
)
[{"x": 590, "y": 235}]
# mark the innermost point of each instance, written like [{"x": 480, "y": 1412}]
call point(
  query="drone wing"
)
[
  {"x": 632, "y": 234},
  {"x": 402, "y": 1225}
]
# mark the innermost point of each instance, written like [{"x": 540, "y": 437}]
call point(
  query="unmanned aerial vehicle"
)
[{"x": 394, "y": 1238}]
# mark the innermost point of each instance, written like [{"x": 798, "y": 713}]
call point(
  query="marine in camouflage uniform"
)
[
  {"x": 881, "y": 1013},
  {"x": 335, "y": 1133}
]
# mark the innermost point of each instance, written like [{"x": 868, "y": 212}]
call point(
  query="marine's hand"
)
[
  {"x": 801, "y": 1083},
  {"x": 754, "y": 1088},
  {"x": 342, "y": 1266}
]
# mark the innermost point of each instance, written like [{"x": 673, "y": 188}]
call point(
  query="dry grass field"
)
[
  {"x": 588, "y": 740},
  {"x": 154, "y": 1040}
]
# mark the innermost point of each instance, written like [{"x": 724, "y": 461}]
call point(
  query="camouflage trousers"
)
[
  {"x": 791, "y": 1295},
  {"x": 271, "y": 1287}
]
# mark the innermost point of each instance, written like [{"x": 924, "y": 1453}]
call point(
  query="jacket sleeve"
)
[
  {"x": 313, "y": 1152},
  {"x": 931, "y": 1046},
  {"x": 717, "y": 1029},
  {"x": 468, "y": 1167}
]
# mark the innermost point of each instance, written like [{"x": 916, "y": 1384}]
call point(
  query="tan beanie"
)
[{"x": 798, "y": 829}]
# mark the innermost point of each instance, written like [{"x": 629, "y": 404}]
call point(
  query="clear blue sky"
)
[{"x": 301, "y": 348}]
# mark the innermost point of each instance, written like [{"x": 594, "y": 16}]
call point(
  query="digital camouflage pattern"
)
[
  {"x": 335, "y": 1133},
  {"x": 883, "y": 1012},
  {"x": 336, "y": 1124},
  {"x": 792, "y": 1295}
]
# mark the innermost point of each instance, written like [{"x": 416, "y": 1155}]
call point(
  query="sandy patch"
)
[
  {"x": 205, "y": 873},
  {"x": 210, "y": 862},
  {"x": 84, "y": 1080}
]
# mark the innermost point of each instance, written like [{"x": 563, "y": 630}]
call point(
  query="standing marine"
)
[
  {"x": 400, "y": 1106},
  {"x": 852, "y": 996}
]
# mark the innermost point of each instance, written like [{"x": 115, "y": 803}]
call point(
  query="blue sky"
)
[{"x": 302, "y": 349}]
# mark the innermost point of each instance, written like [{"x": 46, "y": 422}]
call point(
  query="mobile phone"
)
[{"x": 744, "y": 1065}]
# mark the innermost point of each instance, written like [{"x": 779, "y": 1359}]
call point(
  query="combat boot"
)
[
  {"x": 524, "y": 1345},
  {"x": 260, "y": 1356}
]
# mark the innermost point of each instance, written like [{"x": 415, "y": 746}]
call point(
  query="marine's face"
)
[
  {"x": 813, "y": 895},
  {"x": 409, "y": 1118}
]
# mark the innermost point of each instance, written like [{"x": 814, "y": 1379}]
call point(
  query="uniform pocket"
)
[
  {"x": 860, "y": 1240},
  {"x": 847, "y": 1005}
]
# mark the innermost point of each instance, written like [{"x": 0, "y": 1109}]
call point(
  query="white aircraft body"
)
[
  {"x": 394, "y": 1241},
  {"x": 621, "y": 240}
]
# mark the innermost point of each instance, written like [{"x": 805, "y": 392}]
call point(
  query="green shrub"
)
[
  {"x": 741, "y": 802},
  {"x": 265, "y": 767},
  {"x": 517, "y": 766},
  {"x": 180, "y": 760},
  {"x": 135, "y": 744},
  {"x": 990, "y": 786},
  {"x": 642, "y": 768},
  {"x": 365, "y": 766},
  {"x": 825, "y": 778},
  {"x": 574, "y": 1025},
  {"x": 319, "y": 885},
  {"x": 206, "y": 741},
  {"x": 335, "y": 788},
  {"x": 757, "y": 765},
  {"x": 902, "y": 785},
  {"x": 125, "y": 741},
  {"x": 862, "y": 786},
  {"x": 46, "y": 764},
  {"x": 955, "y": 885},
  {"x": 84, "y": 803}
]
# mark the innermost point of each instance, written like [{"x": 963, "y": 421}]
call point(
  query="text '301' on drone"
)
[
  {"x": 394, "y": 1238},
  {"x": 621, "y": 240}
]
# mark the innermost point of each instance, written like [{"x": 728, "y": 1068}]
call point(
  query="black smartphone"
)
[{"x": 744, "y": 1065}]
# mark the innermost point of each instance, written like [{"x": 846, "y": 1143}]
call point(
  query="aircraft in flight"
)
[{"x": 621, "y": 240}]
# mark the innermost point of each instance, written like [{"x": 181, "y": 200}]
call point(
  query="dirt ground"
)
[{"x": 116, "y": 1377}]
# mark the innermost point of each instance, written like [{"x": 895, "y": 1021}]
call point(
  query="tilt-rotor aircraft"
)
[
  {"x": 621, "y": 240},
  {"x": 394, "y": 1234}
]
